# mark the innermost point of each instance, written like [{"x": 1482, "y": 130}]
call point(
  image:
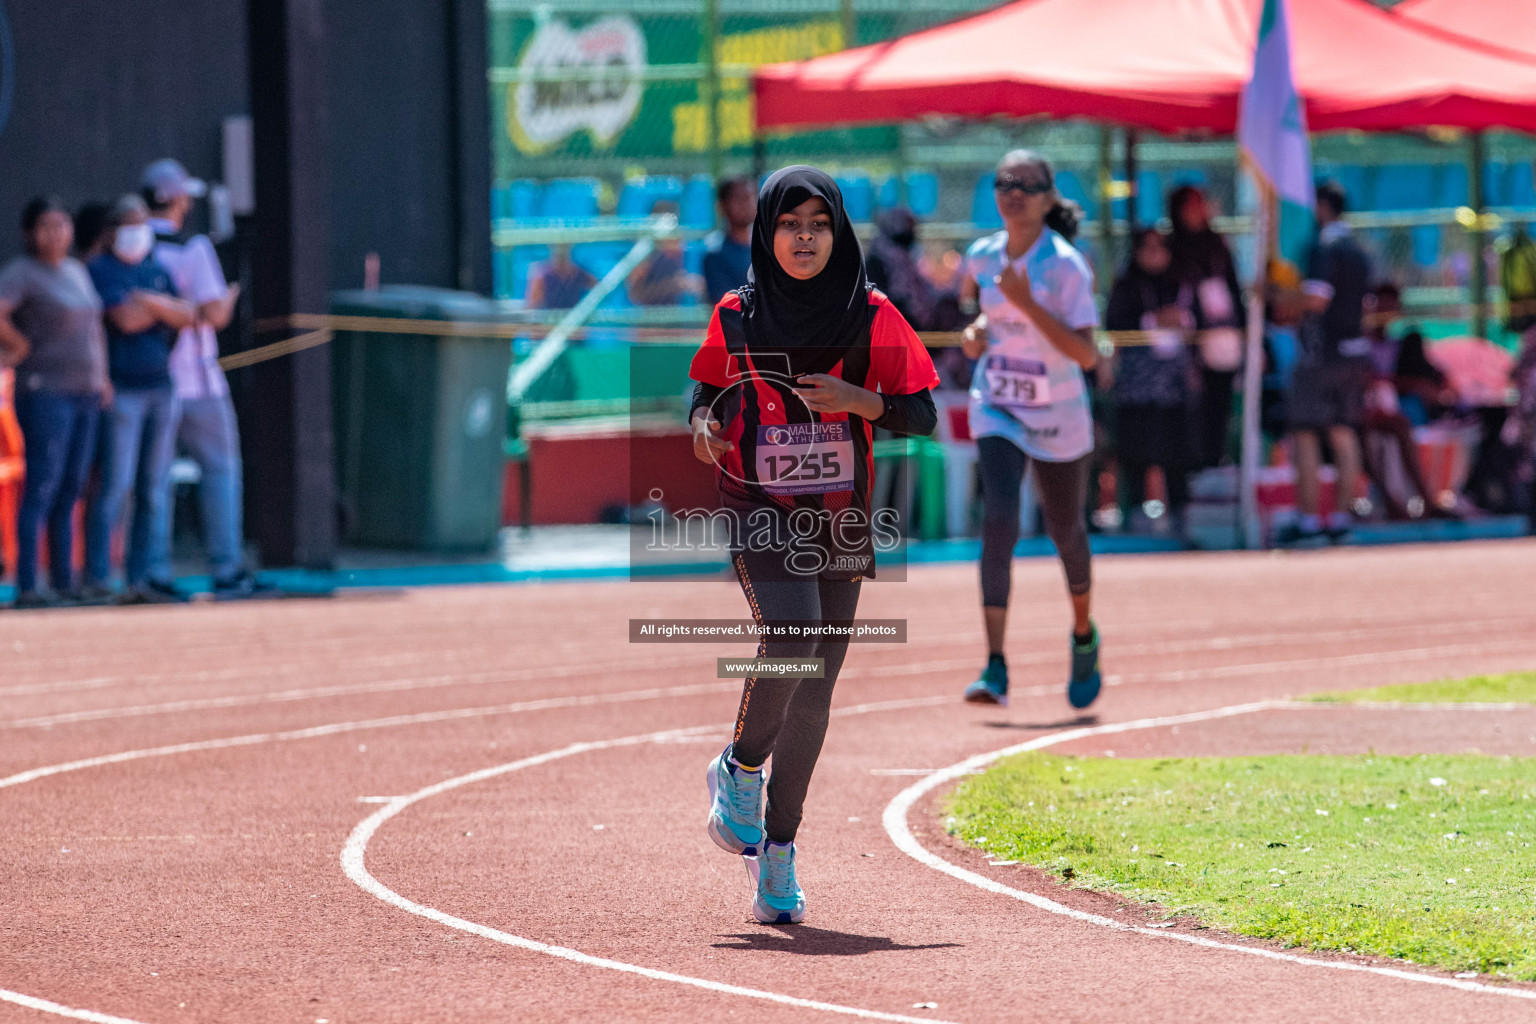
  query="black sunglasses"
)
[{"x": 1029, "y": 188}]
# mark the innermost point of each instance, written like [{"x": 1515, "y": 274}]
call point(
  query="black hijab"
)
[{"x": 813, "y": 322}]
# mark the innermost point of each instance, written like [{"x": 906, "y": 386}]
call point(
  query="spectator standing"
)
[
  {"x": 892, "y": 267},
  {"x": 206, "y": 427},
  {"x": 143, "y": 316},
  {"x": 92, "y": 231},
  {"x": 51, "y": 331},
  {"x": 1328, "y": 387},
  {"x": 1151, "y": 381},
  {"x": 729, "y": 256},
  {"x": 1202, "y": 261}
]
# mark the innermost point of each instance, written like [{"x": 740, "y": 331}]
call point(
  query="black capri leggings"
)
[
  {"x": 787, "y": 718},
  {"x": 1063, "y": 491}
]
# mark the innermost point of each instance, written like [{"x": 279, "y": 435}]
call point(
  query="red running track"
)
[{"x": 180, "y": 786}]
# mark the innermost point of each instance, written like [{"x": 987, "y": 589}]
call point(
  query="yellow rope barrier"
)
[
  {"x": 288, "y": 346},
  {"x": 320, "y": 329}
]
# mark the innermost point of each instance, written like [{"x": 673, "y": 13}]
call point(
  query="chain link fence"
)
[{"x": 601, "y": 110}]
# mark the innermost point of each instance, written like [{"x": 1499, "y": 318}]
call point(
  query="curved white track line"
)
[
  {"x": 355, "y": 851},
  {"x": 336, "y": 728},
  {"x": 34, "y": 1003},
  {"x": 377, "y": 723},
  {"x": 352, "y": 863},
  {"x": 897, "y": 827}
]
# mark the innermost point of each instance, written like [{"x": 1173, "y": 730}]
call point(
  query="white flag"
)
[{"x": 1272, "y": 125}]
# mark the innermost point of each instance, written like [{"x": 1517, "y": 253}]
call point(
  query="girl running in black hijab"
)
[{"x": 796, "y": 368}]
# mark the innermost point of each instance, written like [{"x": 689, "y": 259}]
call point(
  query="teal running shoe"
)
[
  {"x": 779, "y": 899},
  {"x": 1083, "y": 688},
  {"x": 992, "y": 686},
  {"x": 736, "y": 814}
]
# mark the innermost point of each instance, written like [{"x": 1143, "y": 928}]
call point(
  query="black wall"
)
[{"x": 103, "y": 88}]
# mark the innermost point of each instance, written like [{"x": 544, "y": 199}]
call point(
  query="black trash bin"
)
[{"x": 420, "y": 418}]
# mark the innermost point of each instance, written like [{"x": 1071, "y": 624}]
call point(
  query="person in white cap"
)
[{"x": 207, "y": 431}]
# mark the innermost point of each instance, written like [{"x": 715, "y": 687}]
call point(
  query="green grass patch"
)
[
  {"x": 1427, "y": 859},
  {"x": 1512, "y": 688}
]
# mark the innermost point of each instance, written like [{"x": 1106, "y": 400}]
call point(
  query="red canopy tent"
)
[
  {"x": 1169, "y": 65},
  {"x": 1505, "y": 26}
]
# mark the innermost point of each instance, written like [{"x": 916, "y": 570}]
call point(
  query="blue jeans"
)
[
  {"x": 59, "y": 431},
  {"x": 140, "y": 447},
  {"x": 209, "y": 436}
]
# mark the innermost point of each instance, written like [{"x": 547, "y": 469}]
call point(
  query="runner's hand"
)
[
  {"x": 822, "y": 392},
  {"x": 707, "y": 446},
  {"x": 974, "y": 339},
  {"x": 1014, "y": 284}
]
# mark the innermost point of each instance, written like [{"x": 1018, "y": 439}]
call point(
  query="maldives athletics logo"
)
[{"x": 545, "y": 111}]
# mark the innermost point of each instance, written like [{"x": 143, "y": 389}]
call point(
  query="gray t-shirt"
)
[{"x": 59, "y": 312}]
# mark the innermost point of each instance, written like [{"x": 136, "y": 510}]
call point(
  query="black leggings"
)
[
  {"x": 1063, "y": 491},
  {"x": 787, "y": 718}
]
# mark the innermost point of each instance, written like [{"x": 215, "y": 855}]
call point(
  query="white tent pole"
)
[{"x": 1253, "y": 369}]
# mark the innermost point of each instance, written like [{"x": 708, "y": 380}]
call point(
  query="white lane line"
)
[
  {"x": 414, "y": 683},
  {"x": 335, "y": 728},
  {"x": 1370, "y": 658},
  {"x": 1389, "y": 705},
  {"x": 34, "y": 1003},
  {"x": 897, "y": 827},
  {"x": 1218, "y": 643},
  {"x": 355, "y": 851},
  {"x": 286, "y": 696},
  {"x": 28, "y": 689}
]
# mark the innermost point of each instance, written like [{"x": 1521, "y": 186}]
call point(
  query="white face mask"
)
[{"x": 133, "y": 242}]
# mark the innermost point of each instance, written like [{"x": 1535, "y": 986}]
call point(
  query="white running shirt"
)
[{"x": 1024, "y": 388}]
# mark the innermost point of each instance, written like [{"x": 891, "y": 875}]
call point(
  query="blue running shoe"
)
[
  {"x": 736, "y": 817},
  {"x": 992, "y": 686},
  {"x": 1083, "y": 688},
  {"x": 779, "y": 899}
]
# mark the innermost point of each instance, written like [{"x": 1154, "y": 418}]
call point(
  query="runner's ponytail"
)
[{"x": 1064, "y": 218}]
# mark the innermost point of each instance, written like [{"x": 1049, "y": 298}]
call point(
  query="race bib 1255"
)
[{"x": 805, "y": 458}]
